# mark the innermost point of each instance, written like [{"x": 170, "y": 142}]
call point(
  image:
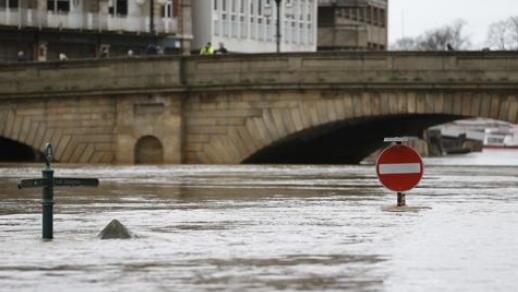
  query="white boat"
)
[{"x": 501, "y": 138}]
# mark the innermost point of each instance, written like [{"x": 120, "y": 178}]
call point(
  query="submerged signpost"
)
[
  {"x": 399, "y": 168},
  {"x": 48, "y": 182}
]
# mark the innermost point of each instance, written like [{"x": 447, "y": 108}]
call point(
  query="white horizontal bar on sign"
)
[
  {"x": 396, "y": 139},
  {"x": 400, "y": 168}
]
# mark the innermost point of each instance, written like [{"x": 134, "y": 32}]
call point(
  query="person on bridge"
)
[
  {"x": 221, "y": 50},
  {"x": 153, "y": 50},
  {"x": 62, "y": 57},
  {"x": 207, "y": 50},
  {"x": 20, "y": 57}
]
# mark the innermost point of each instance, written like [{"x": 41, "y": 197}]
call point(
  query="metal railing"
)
[{"x": 83, "y": 21}]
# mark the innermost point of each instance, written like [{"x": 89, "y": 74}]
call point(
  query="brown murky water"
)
[{"x": 264, "y": 228}]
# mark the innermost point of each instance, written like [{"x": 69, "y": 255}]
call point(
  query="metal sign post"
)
[
  {"x": 47, "y": 182},
  {"x": 399, "y": 168}
]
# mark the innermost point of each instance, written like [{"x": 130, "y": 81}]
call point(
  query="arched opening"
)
[
  {"x": 344, "y": 142},
  {"x": 12, "y": 151},
  {"x": 149, "y": 150}
]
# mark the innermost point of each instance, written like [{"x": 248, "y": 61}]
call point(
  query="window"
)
[
  {"x": 121, "y": 7},
  {"x": 58, "y": 5},
  {"x": 326, "y": 16},
  {"x": 215, "y": 4},
  {"x": 8, "y": 3},
  {"x": 167, "y": 9},
  {"x": 383, "y": 18}
]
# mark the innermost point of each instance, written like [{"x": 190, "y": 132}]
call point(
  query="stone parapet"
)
[{"x": 363, "y": 70}]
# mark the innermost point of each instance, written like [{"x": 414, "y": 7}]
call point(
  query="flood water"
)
[{"x": 264, "y": 228}]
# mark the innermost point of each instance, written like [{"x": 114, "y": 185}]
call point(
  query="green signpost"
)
[{"x": 48, "y": 182}]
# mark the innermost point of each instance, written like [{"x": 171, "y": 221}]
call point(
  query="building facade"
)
[
  {"x": 352, "y": 25},
  {"x": 250, "y": 26},
  {"x": 42, "y": 29}
]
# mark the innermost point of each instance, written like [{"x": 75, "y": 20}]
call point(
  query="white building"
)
[
  {"x": 100, "y": 15},
  {"x": 78, "y": 27},
  {"x": 249, "y": 26}
]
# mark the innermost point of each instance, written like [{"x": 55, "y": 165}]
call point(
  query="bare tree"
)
[
  {"x": 513, "y": 25},
  {"x": 503, "y": 34},
  {"x": 498, "y": 36},
  {"x": 449, "y": 37},
  {"x": 405, "y": 44}
]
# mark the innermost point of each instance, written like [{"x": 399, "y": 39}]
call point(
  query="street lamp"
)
[
  {"x": 152, "y": 20},
  {"x": 278, "y": 25},
  {"x": 152, "y": 16}
]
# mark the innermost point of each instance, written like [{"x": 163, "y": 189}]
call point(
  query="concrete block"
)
[
  {"x": 495, "y": 106},
  {"x": 77, "y": 153},
  {"x": 429, "y": 102},
  {"x": 87, "y": 154},
  {"x": 40, "y": 136},
  {"x": 59, "y": 148},
  {"x": 375, "y": 104},
  {"x": 271, "y": 127},
  {"x": 17, "y": 128},
  {"x": 485, "y": 106},
  {"x": 197, "y": 138},
  {"x": 512, "y": 115},
  {"x": 251, "y": 142},
  {"x": 393, "y": 102},
  {"x": 438, "y": 103},
  {"x": 287, "y": 121},
  {"x": 296, "y": 119},
  {"x": 505, "y": 103},
  {"x": 411, "y": 102},
  {"x": 466, "y": 104},
  {"x": 366, "y": 103},
  {"x": 258, "y": 128},
  {"x": 277, "y": 117},
  {"x": 235, "y": 140},
  {"x": 475, "y": 105},
  {"x": 323, "y": 112}
]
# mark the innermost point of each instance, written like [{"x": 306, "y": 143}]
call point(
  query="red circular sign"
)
[{"x": 399, "y": 168}]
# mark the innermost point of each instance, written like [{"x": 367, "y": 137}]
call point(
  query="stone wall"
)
[
  {"x": 81, "y": 129},
  {"x": 374, "y": 70}
]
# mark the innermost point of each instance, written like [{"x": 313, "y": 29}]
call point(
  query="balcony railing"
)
[{"x": 83, "y": 21}]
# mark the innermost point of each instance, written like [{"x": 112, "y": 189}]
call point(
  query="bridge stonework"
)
[
  {"x": 223, "y": 110},
  {"x": 228, "y": 128},
  {"x": 80, "y": 129}
]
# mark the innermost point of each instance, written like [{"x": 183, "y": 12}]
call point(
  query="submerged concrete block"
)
[{"x": 115, "y": 230}]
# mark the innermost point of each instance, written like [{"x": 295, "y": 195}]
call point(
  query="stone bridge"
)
[{"x": 289, "y": 108}]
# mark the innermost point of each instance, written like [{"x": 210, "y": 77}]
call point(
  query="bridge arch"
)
[
  {"x": 13, "y": 151},
  {"x": 35, "y": 124},
  {"x": 312, "y": 113},
  {"x": 343, "y": 142},
  {"x": 149, "y": 150}
]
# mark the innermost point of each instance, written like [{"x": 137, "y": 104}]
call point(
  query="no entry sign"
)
[{"x": 399, "y": 168}]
